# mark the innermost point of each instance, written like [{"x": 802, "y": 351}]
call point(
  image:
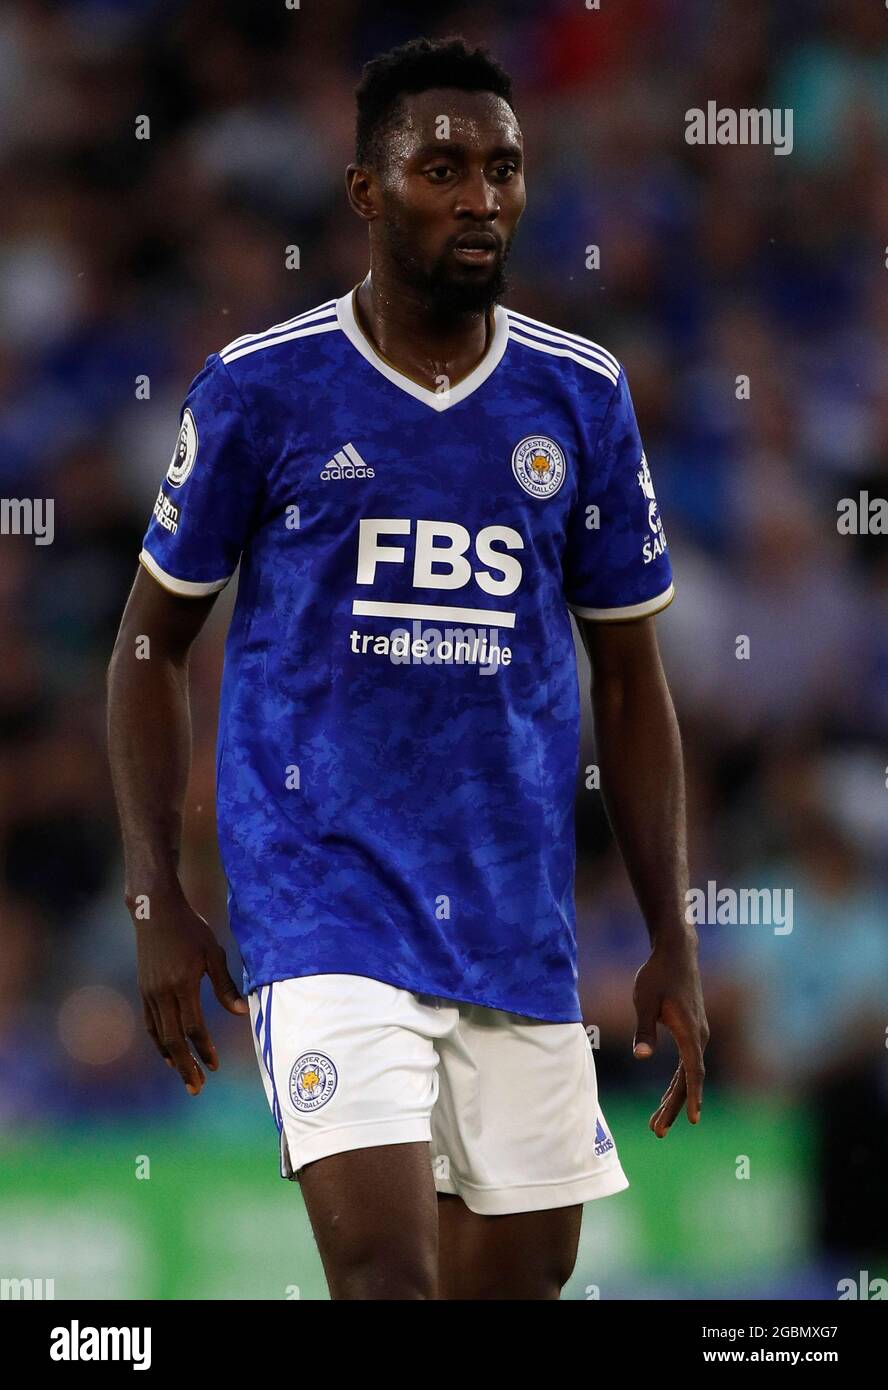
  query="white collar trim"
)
[{"x": 437, "y": 400}]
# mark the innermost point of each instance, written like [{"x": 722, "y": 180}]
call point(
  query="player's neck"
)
[{"x": 415, "y": 337}]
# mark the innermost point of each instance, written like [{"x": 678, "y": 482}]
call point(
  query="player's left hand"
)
[{"x": 668, "y": 990}]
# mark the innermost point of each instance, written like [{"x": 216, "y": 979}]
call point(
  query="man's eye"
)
[
  {"x": 505, "y": 170},
  {"x": 439, "y": 172}
]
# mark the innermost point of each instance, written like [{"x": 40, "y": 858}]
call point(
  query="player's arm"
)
[
  {"x": 642, "y": 781},
  {"x": 149, "y": 742},
  {"x": 201, "y": 523},
  {"x": 617, "y": 575}
]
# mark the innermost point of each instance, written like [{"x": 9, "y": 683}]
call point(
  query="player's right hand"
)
[{"x": 175, "y": 948}]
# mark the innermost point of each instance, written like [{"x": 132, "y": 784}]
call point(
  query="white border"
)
[
  {"x": 632, "y": 610},
  {"x": 186, "y": 588},
  {"x": 489, "y": 617},
  {"x": 437, "y": 400}
]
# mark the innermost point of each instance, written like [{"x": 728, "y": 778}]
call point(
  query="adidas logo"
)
[
  {"x": 603, "y": 1141},
  {"x": 346, "y": 463}
]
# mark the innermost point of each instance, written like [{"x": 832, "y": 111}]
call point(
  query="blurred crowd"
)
[{"x": 124, "y": 259}]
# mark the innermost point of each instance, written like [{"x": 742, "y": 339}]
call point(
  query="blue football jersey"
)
[{"x": 399, "y": 722}]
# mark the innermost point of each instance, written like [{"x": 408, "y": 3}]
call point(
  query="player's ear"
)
[{"x": 360, "y": 186}]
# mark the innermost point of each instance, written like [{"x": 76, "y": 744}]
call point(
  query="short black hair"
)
[{"x": 418, "y": 66}]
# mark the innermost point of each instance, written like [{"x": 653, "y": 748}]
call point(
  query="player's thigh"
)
[
  {"x": 522, "y": 1255},
  {"x": 517, "y": 1125},
  {"x": 350, "y": 1072},
  {"x": 374, "y": 1217}
]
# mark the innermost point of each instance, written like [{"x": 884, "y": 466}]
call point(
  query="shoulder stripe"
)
[
  {"x": 545, "y": 330},
  {"x": 306, "y": 331},
  {"x": 540, "y": 346},
  {"x": 307, "y": 315}
]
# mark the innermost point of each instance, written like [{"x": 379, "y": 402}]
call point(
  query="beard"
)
[{"x": 450, "y": 289}]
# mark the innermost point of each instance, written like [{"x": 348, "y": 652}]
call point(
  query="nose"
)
[{"x": 477, "y": 198}]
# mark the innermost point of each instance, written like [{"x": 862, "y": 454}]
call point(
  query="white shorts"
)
[{"x": 509, "y": 1104}]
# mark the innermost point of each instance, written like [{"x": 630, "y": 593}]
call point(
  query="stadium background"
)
[{"x": 122, "y": 257}]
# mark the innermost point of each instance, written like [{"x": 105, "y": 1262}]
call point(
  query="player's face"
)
[{"x": 451, "y": 194}]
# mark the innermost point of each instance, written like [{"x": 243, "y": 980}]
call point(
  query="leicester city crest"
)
[
  {"x": 538, "y": 464},
  {"x": 312, "y": 1081}
]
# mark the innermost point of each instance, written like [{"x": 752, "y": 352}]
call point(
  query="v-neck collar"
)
[{"x": 437, "y": 400}]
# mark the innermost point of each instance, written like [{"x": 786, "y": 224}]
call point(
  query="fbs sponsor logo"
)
[
  {"x": 655, "y": 545},
  {"x": 166, "y": 513},
  {"x": 346, "y": 463},
  {"x": 439, "y": 563},
  {"x": 184, "y": 453},
  {"x": 76, "y": 1343}
]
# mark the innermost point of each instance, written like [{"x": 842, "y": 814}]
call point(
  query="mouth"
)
[{"x": 476, "y": 248}]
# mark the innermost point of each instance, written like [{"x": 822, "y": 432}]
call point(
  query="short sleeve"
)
[
  {"x": 207, "y": 500},
  {"x": 616, "y": 565}
]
